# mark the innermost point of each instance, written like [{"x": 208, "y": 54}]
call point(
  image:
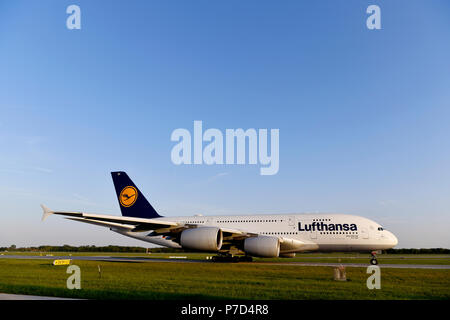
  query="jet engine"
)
[
  {"x": 262, "y": 246},
  {"x": 202, "y": 238}
]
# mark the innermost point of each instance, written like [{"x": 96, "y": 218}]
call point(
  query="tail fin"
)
[{"x": 132, "y": 202}]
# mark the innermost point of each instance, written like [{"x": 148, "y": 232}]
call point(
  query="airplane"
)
[{"x": 237, "y": 238}]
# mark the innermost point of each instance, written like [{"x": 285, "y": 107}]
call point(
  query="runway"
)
[
  {"x": 361, "y": 265},
  {"x": 7, "y": 296},
  {"x": 287, "y": 263}
]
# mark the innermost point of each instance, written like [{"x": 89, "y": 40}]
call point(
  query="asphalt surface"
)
[
  {"x": 7, "y": 296},
  {"x": 287, "y": 263}
]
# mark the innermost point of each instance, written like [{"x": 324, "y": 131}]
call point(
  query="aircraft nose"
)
[{"x": 392, "y": 239}]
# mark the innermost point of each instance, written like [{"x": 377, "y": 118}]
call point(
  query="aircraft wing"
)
[
  {"x": 127, "y": 227},
  {"x": 232, "y": 237},
  {"x": 137, "y": 224},
  {"x": 288, "y": 245},
  {"x": 237, "y": 234},
  {"x": 129, "y": 223}
]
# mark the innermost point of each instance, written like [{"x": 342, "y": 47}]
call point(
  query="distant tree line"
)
[
  {"x": 68, "y": 248},
  {"x": 418, "y": 251}
]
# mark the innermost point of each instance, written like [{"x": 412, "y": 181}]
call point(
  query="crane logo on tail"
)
[{"x": 128, "y": 196}]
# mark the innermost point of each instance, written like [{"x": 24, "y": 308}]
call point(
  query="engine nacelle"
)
[
  {"x": 262, "y": 246},
  {"x": 202, "y": 238}
]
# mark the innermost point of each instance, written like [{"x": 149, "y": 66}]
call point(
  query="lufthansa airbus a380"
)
[{"x": 281, "y": 235}]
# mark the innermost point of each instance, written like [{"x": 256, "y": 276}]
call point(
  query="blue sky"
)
[{"x": 363, "y": 114}]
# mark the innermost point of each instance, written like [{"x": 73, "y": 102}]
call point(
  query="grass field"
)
[{"x": 173, "y": 280}]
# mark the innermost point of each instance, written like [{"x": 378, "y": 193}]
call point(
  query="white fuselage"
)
[{"x": 321, "y": 232}]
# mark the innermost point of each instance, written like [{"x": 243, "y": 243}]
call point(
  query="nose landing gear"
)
[{"x": 373, "y": 260}]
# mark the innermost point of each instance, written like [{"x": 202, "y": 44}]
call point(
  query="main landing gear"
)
[
  {"x": 231, "y": 258},
  {"x": 374, "y": 260}
]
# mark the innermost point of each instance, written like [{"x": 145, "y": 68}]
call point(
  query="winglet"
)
[{"x": 47, "y": 212}]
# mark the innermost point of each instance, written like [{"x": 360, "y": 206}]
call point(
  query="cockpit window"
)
[{"x": 380, "y": 229}]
